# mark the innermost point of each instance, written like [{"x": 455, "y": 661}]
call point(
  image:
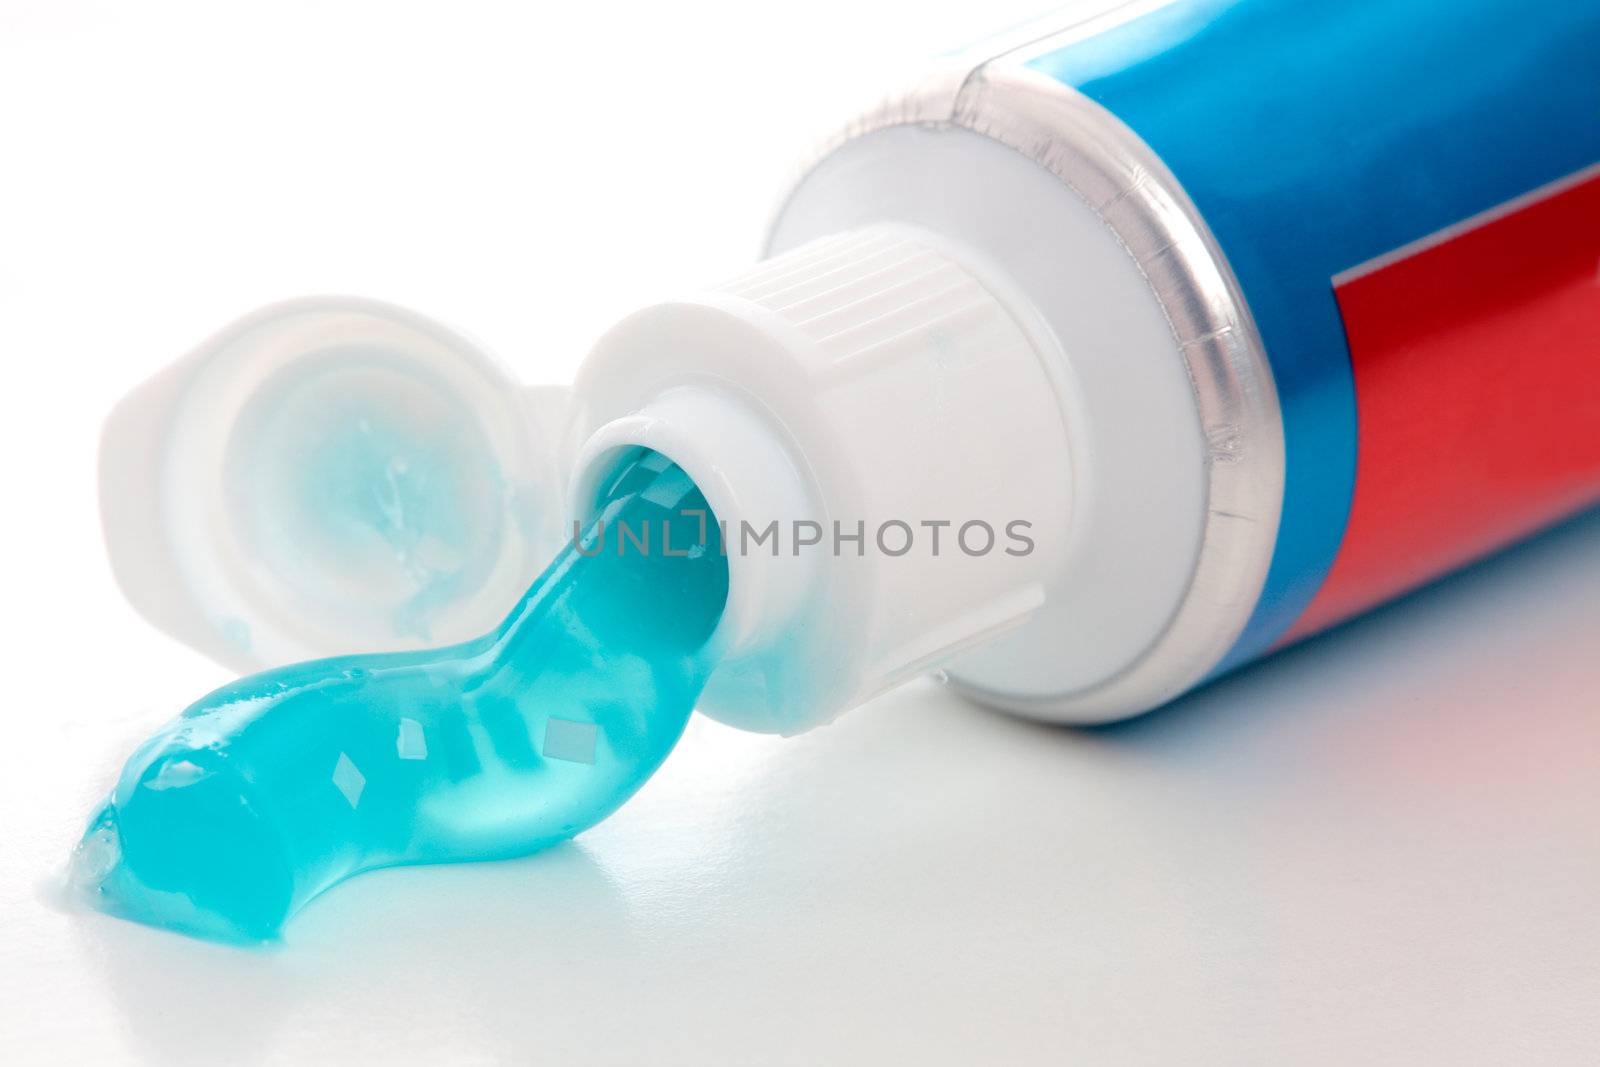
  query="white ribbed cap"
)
[{"x": 875, "y": 382}]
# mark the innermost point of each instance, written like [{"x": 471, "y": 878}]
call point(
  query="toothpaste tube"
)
[{"x": 1111, "y": 356}]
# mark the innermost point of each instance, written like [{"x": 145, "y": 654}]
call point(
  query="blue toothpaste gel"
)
[{"x": 276, "y": 787}]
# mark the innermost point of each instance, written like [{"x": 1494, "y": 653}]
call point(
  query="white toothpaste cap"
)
[{"x": 331, "y": 475}]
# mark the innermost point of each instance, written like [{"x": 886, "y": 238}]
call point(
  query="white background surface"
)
[{"x": 1384, "y": 845}]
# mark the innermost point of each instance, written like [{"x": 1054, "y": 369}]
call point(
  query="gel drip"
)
[{"x": 272, "y": 789}]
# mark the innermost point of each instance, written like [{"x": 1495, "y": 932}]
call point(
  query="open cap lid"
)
[{"x": 331, "y": 475}]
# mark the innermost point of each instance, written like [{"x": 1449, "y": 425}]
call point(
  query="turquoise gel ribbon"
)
[{"x": 272, "y": 789}]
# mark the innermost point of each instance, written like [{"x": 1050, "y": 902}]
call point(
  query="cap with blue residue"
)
[{"x": 331, "y": 475}]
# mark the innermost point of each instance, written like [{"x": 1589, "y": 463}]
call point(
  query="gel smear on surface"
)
[{"x": 278, "y": 786}]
